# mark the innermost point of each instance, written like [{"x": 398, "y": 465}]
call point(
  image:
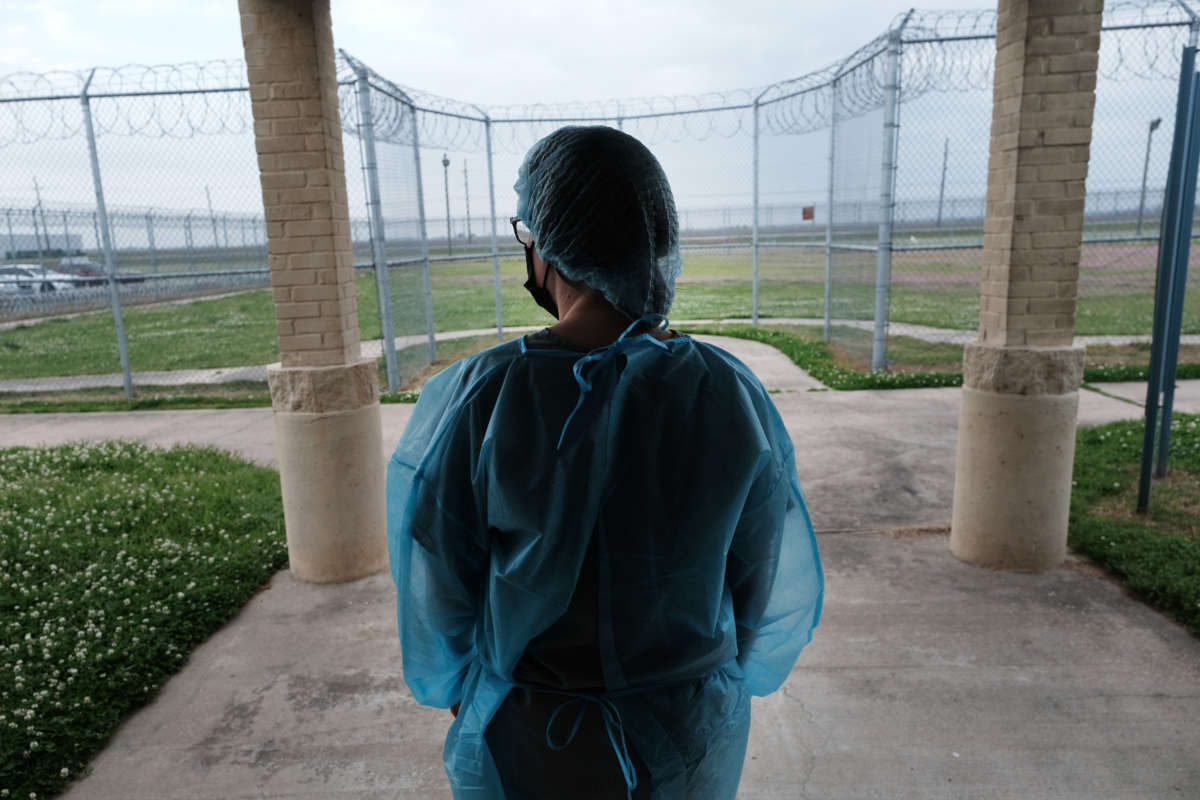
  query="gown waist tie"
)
[{"x": 577, "y": 703}]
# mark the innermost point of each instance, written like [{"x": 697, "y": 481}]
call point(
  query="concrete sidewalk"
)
[{"x": 927, "y": 678}]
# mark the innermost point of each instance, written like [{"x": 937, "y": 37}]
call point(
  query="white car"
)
[{"x": 32, "y": 278}]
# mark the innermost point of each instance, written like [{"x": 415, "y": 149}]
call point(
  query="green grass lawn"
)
[
  {"x": 116, "y": 559},
  {"x": 1157, "y": 554},
  {"x": 239, "y": 330}
]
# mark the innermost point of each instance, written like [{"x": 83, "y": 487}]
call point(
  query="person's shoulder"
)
[
  {"x": 471, "y": 371},
  {"x": 725, "y": 365},
  {"x": 449, "y": 394}
]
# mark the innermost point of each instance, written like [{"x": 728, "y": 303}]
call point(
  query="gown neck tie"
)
[{"x": 587, "y": 365}]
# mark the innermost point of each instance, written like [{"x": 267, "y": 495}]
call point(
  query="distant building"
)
[{"x": 28, "y": 245}]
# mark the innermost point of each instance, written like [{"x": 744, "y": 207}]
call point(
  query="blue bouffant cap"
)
[{"x": 601, "y": 211}]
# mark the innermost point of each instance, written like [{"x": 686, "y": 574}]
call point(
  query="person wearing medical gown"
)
[{"x": 597, "y": 533}]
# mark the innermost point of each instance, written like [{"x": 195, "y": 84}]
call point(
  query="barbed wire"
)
[
  {"x": 163, "y": 101},
  {"x": 942, "y": 51}
]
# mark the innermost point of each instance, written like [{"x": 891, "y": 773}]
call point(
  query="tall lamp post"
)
[
  {"x": 1154, "y": 123},
  {"x": 446, "y": 183},
  {"x": 467, "y": 199},
  {"x": 942, "y": 190}
]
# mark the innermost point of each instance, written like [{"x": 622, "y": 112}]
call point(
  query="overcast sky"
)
[
  {"x": 538, "y": 51},
  {"x": 483, "y": 52}
]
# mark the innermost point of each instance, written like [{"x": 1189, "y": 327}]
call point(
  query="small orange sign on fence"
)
[{"x": 808, "y": 212}]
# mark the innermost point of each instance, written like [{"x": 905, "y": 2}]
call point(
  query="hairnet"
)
[{"x": 601, "y": 211}]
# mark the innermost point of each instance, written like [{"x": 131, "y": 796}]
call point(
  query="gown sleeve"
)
[
  {"x": 773, "y": 568},
  {"x": 437, "y": 553}
]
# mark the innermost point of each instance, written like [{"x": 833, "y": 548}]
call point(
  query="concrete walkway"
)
[{"x": 927, "y": 678}]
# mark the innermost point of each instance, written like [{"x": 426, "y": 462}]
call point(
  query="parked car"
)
[
  {"x": 31, "y": 277},
  {"x": 82, "y": 267}
]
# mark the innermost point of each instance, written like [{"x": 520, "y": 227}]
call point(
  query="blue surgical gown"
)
[{"x": 637, "y": 504}]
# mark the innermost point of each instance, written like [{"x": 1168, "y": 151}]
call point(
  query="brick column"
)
[
  {"x": 326, "y": 398},
  {"x": 1021, "y": 377}
]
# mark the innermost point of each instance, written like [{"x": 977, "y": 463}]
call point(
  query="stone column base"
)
[
  {"x": 328, "y": 442},
  {"x": 1016, "y": 452}
]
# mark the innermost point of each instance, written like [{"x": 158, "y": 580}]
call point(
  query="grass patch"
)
[
  {"x": 1158, "y": 554},
  {"x": 806, "y": 348},
  {"x": 230, "y": 331},
  {"x": 915, "y": 363},
  {"x": 237, "y": 394},
  {"x": 240, "y": 330},
  {"x": 116, "y": 559}
]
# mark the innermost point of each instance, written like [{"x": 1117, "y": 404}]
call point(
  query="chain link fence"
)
[{"x": 849, "y": 200}]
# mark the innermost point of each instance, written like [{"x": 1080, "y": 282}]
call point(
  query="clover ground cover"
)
[
  {"x": 1157, "y": 554},
  {"x": 115, "y": 560}
]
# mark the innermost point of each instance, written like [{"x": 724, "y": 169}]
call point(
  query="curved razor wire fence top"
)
[{"x": 186, "y": 100}]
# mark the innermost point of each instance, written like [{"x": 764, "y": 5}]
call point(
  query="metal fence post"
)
[
  {"x": 1178, "y": 287},
  {"x": 829, "y": 212},
  {"x": 366, "y": 135},
  {"x": 467, "y": 199},
  {"x": 96, "y": 232},
  {"x": 942, "y": 188},
  {"x": 109, "y": 262},
  {"x": 187, "y": 239},
  {"x": 754, "y": 225},
  {"x": 425, "y": 274},
  {"x": 1173, "y": 209},
  {"x": 150, "y": 241},
  {"x": 487, "y": 129},
  {"x": 40, "y": 209},
  {"x": 887, "y": 199},
  {"x": 66, "y": 235},
  {"x": 12, "y": 240},
  {"x": 37, "y": 237},
  {"x": 212, "y": 217}
]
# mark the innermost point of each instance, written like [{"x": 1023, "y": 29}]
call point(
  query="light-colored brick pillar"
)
[
  {"x": 326, "y": 398},
  {"x": 1021, "y": 378}
]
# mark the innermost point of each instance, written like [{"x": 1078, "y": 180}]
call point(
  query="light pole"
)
[
  {"x": 1154, "y": 123},
  {"x": 942, "y": 190},
  {"x": 467, "y": 199},
  {"x": 446, "y": 182}
]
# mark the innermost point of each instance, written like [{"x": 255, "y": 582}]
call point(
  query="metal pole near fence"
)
[
  {"x": 446, "y": 184},
  {"x": 428, "y": 279},
  {"x": 12, "y": 240},
  {"x": 1178, "y": 288},
  {"x": 66, "y": 246},
  {"x": 1154, "y": 123},
  {"x": 366, "y": 135},
  {"x": 887, "y": 198},
  {"x": 150, "y": 241},
  {"x": 942, "y": 188},
  {"x": 754, "y": 225},
  {"x": 212, "y": 217},
  {"x": 39, "y": 208},
  {"x": 187, "y": 237},
  {"x": 487, "y": 131},
  {"x": 829, "y": 212},
  {"x": 109, "y": 262},
  {"x": 37, "y": 238},
  {"x": 1175, "y": 207},
  {"x": 467, "y": 199}
]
